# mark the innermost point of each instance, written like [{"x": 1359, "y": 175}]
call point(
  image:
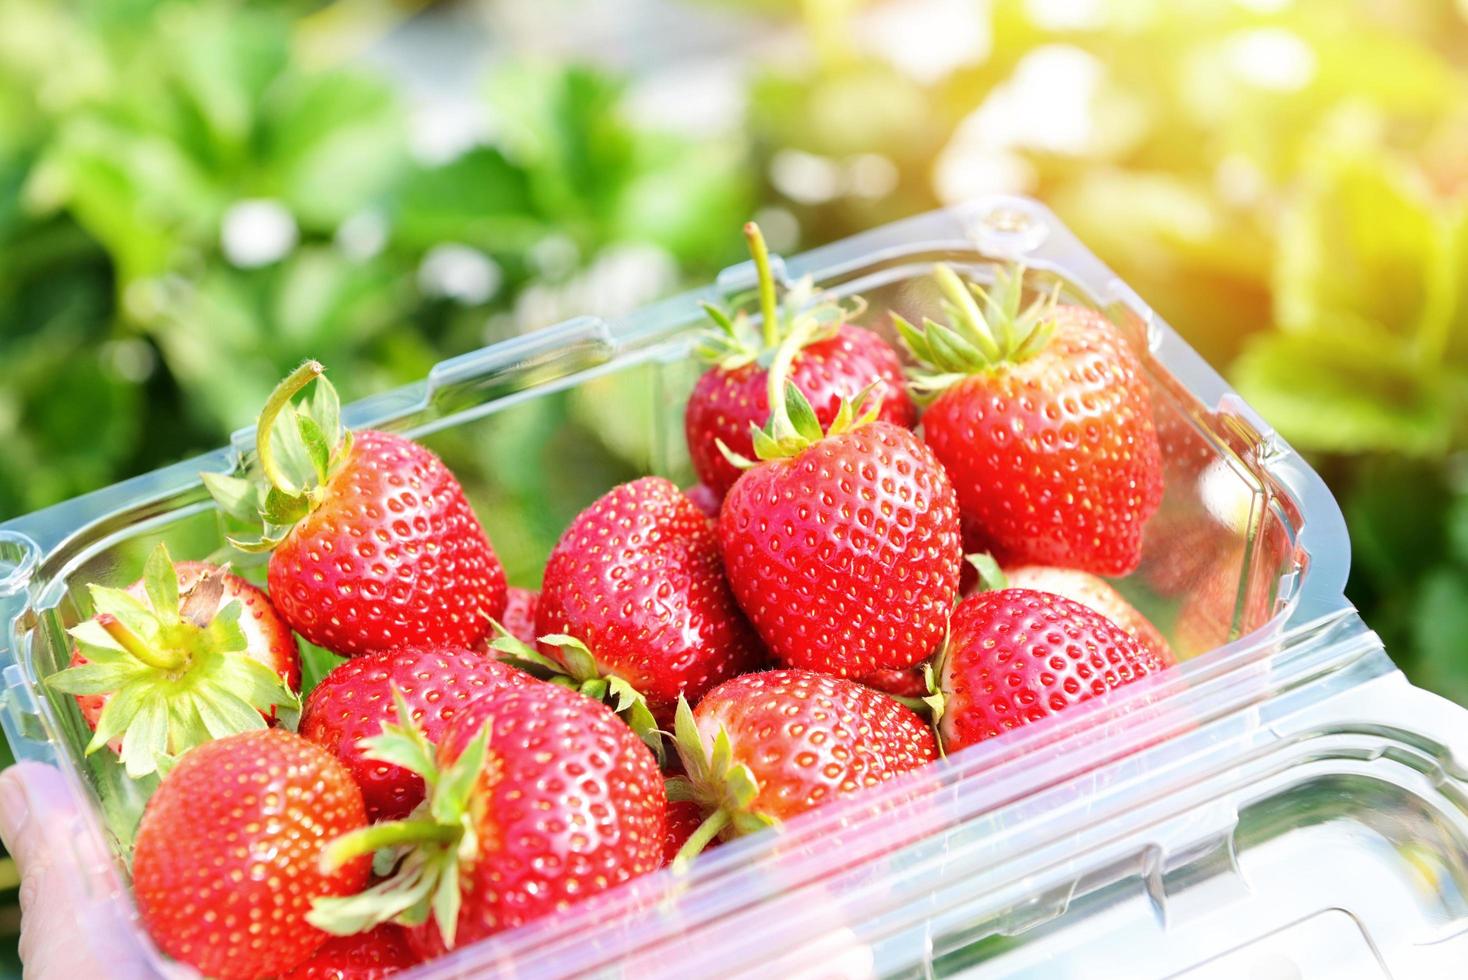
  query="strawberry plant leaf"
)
[
  {"x": 236, "y": 497},
  {"x": 317, "y": 449},
  {"x": 160, "y": 581},
  {"x": 146, "y": 738},
  {"x": 128, "y": 610},
  {"x": 94, "y": 678}
]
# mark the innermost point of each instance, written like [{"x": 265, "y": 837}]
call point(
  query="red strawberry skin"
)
[
  {"x": 1017, "y": 656},
  {"x": 392, "y": 557},
  {"x": 810, "y": 738},
  {"x": 226, "y": 861},
  {"x": 570, "y": 804},
  {"x": 354, "y": 700},
  {"x": 907, "y": 683},
  {"x": 519, "y": 617},
  {"x": 725, "y": 403},
  {"x": 637, "y": 578},
  {"x": 379, "y": 952},
  {"x": 846, "y": 556},
  {"x": 683, "y": 818},
  {"x": 706, "y": 498},
  {"x": 1055, "y": 458},
  {"x": 268, "y": 638},
  {"x": 1096, "y": 594}
]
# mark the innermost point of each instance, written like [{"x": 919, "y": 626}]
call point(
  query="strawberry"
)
[
  {"x": 519, "y": 617},
  {"x": 540, "y": 797},
  {"x": 1096, "y": 594},
  {"x": 227, "y": 858},
  {"x": 381, "y": 952},
  {"x": 1043, "y": 419},
  {"x": 907, "y": 683},
  {"x": 765, "y": 747},
  {"x": 842, "y": 546},
  {"x": 707, "y": 500},
  {"x": 373, "y": 545},
  {"x": 354, "y": 701},
  {"x": 634, "y": 600},
  {"x": 683, "y": 820},
  {"x": 1016, "y": 656},
  {"x": 186, "y": 654},
  {"x": 835, "y": 359}
]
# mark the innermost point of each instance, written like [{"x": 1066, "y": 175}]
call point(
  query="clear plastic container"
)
[{"x": 1283, "y": 804}]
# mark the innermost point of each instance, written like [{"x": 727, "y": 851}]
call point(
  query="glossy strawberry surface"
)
[
  {"x": 1055, "y": 458},
  {"x": 683, "y": 818},
  {"x": 519, "y": 617},
  {"x": 226, "y": 859},
  {"x": 392, "y": 556},
  {"x": 810, "y": 738},
  {"x": 268, "y": 638},
  {"x": 1017, "y": 656},
  {"x": 725, "y": 403},
  {"x": 354, "y": 700},
  {"x": 1097, "y": 594},
  {"x": 846, "y": 556},
  {"x": 637, "y": 578},
  {"x": 570, "y": 803},
  {"x": 370, "y": 955}
]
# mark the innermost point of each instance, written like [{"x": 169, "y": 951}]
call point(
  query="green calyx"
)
[
  {"x": 986, "y": 328},
  {"x": 793, "y": 425},
  {"x": 576, "y": 668},
  {"x": 298, "y": 448},
  {"x": 991, "y": 576},
  {"x": 175, "y": 668},
  {"x": 724, "y": 789},
  {"x": 734, "y": 342},
  {"x": 421, "y": 855}
]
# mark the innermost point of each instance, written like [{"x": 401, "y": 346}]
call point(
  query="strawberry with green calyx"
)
[
  {"x": 1042, "y": 417},
  {"x": 1018, "y": 656},
  {"x": 637, "y": 578},
  {"x": 765, "y": 747},
  {"x": 578, "y": 670},
  {"x": 185, "y": 655},
  {"x": 834, "y": 358},
  {"x": 842, "y": 546},
  {"x": 373, "y": 544},
  {"x": 537, "y": 798},
  {"x": 519, "y": 617}
]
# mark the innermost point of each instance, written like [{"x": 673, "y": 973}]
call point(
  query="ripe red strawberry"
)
[
  {"x": 765, "y": 747},
  {"x": 1044, "y": 422},
  {"x": 835, "y": 360},
  {"x": 541, "y": 798},
  {"x": 519, "y": 617},
  {"x": 380, "y": 952},
  {"x": 683, "y": 820},
  {"x": 354, "y": 701},
  {"x": 842, "y": 547},
  {"x": 373, "y": 545},
  {"x": 907, "y": 683},
  {"x": 1096, "y": 594},
  {"x": 186, "y": 654},
  {"x": 227, "y": 858},
  {"x": 707, "y": 500},
  {"x": 1016, "y": 656},
  {"x": 637, "y": 580}
]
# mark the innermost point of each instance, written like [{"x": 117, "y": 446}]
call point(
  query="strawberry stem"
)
[
  {"x": 164, "y": 660},
  {"x": 374, "y": 838},
  {"x": 279, "y": 399},
  {"x": 701, "y": 838},
  {"x": 769, "y": 311}
]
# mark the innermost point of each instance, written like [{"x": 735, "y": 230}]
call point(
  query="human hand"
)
[{"x": 69, "y": 927}]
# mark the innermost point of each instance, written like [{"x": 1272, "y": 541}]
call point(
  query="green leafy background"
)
[{"x": 1285, "y": 182}]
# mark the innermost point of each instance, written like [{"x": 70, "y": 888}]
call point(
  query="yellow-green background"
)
[{"x": 1284, "y": 181}]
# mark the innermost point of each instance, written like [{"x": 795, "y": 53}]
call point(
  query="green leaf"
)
[
  {"x": 146, "y": 739},
  {"x": 95, "y": 678},
  {"x": 225, "y": 713},
  {"x": 137, "y": 618},
  {"x": 160, "y": 580},
  {"x": 284, "y": 510},
  {"x": 577, "y": 659},
  {"x": 318, "y": 450},
  {"x": 450, "y": 798},
  {"x": 802, "y": 415},
  {"x": 326, "y": 412},
  {"x": 1347, "y": 388},
  {"x": 991, "y": 576}
]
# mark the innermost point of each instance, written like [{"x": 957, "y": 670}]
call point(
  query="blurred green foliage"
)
[{"x": 1286, "y": 182}]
